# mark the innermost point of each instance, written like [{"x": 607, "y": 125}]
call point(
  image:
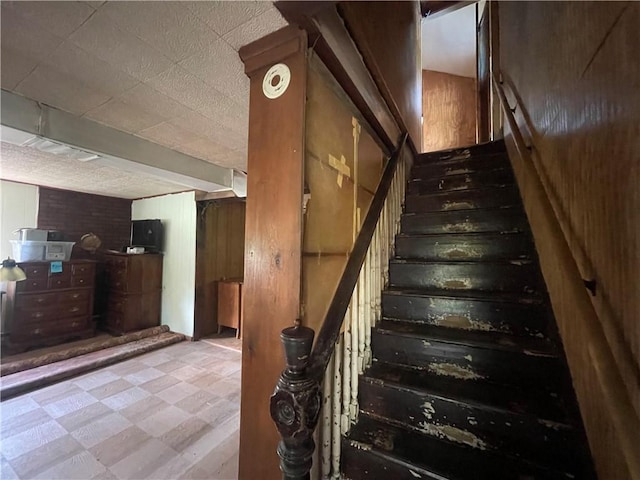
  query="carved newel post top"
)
[{"x": 297, "y": 342}]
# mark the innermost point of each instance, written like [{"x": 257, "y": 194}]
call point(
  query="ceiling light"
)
[{"x": 49, "y": 146}]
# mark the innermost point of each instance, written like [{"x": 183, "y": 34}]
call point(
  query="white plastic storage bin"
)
[
  {"x": 58, "y": 250},
  {"x": 35, "y": 251},
  {"x": 28, "y": 250}
]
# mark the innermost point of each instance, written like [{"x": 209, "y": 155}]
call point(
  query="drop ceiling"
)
[{"x": 167, "y": 72}]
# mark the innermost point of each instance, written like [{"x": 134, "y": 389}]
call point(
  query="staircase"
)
[{"x": 468, "y": 379}]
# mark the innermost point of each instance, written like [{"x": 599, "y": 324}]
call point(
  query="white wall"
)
[
  {"x": 18, "y": 208},
  {"x": 178, "y": 215}
]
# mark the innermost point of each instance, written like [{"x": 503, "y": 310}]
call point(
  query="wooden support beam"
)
[{"x": 273, "y": 241}]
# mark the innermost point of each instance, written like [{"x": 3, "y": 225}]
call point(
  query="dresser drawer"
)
[
  {"x": 46, "y": 329},
  {"x": 40, "y": 271},
  {"x": 83, "y": 269},
  {"x": 74, "y": 296},
  {"x": 33, "y": 284},
  {"x": 62, "y": 281},
  {"x": 29, "y": 316},
  {"x": 35, "y": 301},
  {"x": 84, "y": 280},
  {"x": 118, "y": 280}
]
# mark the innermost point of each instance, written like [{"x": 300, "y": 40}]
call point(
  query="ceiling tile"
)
[
  {"x": 205, "y": 149},
  {"x": 167, "y": 26},
  {"x": 19, "y": 38},
  {"x": 168, "y": 134},
  {"x": 192, "y": 92},
  {"x": 256, "y": 28},
  {"x": 100, "y": 37},
  {"x": 14, "y": 68},
  {"x": 223, "y": 17},
  {"x": 24, "y": 164},
  {"x": 124, "y": 116},
  {"x": 210, "y": 129},
  {"x": 219, "y": 65},
  {"x": 144, "y": 97},
  {"x": 89, "y": 69},
  {"x": 59, "y": 18},
  {"x": 50, "y": 86}
]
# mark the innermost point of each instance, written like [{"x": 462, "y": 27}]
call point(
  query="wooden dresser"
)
[
  {"x": 230, "y": 305},
  {"x": 49, "y": 308},
  {"x": 134, "y": 283}
]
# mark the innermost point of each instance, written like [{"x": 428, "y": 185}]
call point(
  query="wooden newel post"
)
[{"x": 295, "y": 405}]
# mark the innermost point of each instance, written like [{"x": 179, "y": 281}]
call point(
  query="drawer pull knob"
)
[
  {"x": 75, "y": 309},
  {"x": 38, "y": 314},
  {"x": 75, "y": 295},
  {"x": 37, "y": 331}
]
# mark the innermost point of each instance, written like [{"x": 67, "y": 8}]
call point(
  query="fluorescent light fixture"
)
[{"x": 56, "y": 148}]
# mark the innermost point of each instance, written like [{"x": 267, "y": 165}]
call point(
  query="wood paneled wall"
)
[
  {"x": 388, "y": 36},
  {"x": 219, "y": 256},
  {"x": 449, "y": 111},
  {"x": 574, "y": 69},
  {"x": 339, "y": 200}
]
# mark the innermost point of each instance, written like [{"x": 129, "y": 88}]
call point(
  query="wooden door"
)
[{"x": 483, "y": 75}]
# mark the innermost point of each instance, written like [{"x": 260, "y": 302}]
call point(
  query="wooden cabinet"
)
[
  {"x": 134, "y": 283},
  {"x": 230, "y": 305},
  {"x": 49, "y": 308}
]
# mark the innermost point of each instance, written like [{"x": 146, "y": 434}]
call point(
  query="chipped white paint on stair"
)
[
  {"x": 453, "y": 370},
  {"x": 453, "y": 434}
]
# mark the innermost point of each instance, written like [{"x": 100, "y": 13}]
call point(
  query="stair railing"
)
[
  {"x": 616, "y": 396},
  {"x": 324, "y": 382}
]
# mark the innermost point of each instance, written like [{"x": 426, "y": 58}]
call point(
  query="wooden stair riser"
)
[
  {"x": 525, "y": 319},
  {"x": 456, "y": 247},
  {"x": 503, "y": 220},
  {"x": 516, "y": 278},
  {"x": 466, "y": 362},
  {"x": 471, "y": 425},
  {"x": 463, "y": 200},
  {"x": 468, "y": 181}
]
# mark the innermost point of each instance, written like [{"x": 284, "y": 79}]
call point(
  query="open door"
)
[{"x": 483, "y": 75}]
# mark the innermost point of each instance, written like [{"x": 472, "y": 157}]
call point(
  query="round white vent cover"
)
[{"x": 276, "y": 81}]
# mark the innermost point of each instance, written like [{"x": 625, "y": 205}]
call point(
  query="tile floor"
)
[{"x": 169, "y": 414}]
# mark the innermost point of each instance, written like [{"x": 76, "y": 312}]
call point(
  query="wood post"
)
[{"x": 273, "y": 234}]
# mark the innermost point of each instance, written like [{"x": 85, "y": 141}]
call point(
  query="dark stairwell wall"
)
[{"x": 574, "y": 67}]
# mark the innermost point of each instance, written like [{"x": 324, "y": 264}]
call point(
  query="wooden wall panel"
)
[
  {"x": 388, "y": 36},
  {"x": 273, "y": 240},
  {"x": 574, "y": 68},
  {"x": 449, "y": 111},
  {"x": 219, "y": 256},
  {"x": 331, "y": 221}
]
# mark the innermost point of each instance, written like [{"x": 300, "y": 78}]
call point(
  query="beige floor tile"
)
[
  {"x": 146, "y": 459},
  {"x": 89, "y": 414},
  {"x": 54, "y": 393},
  {"x": 125, "y": 398},
  {"x": 197, "y": 402},
  {"x": 110, "y": 388},
  {"x": 155, "y": 358},
  {"x": 6, "y": 472},
  {"x": 30, "y": 439},
  {"x": 119, "y": 446},
  {"x": 100, "y": 430},
  {"x": 143, "y": 408},
  {"x": 224, "y": 387},
  {"x": 208, "y": 442},
  {"x": 187, "y": 372},
  {"x": 44, "y": 457},
  {"x": 162, "y": 421},
  {"x": 19, "y": 423},
  {"x": 81, "y": 466},
  {"x": 215, "y": 460},
  {"x": 219, "y": 412},
  {"x": 185, "y": 434},
  {"x": 170, "y": 365},
  {"x": 17, "y": 406},
  {"x": 159, "y": 384},
  {"x": 206, "y": 379},
  {"x": 174, "y": 468},
  {"x": 95, "y": 379},
  {"x": 177, "y": 392},
  {"x": 69, "y": 404},
  {"x": 128, "y": 367},
  {"x": 143, "y": 376}
]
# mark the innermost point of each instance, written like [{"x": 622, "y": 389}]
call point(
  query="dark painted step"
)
[
  {"x": 518, "y": 276},
  {"x": 442, "y": 352},
  {"x": 467, "y": 181},
  {"x": 471, "y": 150},
  {"x": 466, "y": 221},
  {"x": 512, "y": 314},
  {"x": 491, "y": 197},
  {"x": 473, "y": 424},
  {"x": 379, "y": 450},
  {"x": 525, "y": 400},
  {"x": 464, "y": 247},
  {"x": 438, "y": 169}
]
